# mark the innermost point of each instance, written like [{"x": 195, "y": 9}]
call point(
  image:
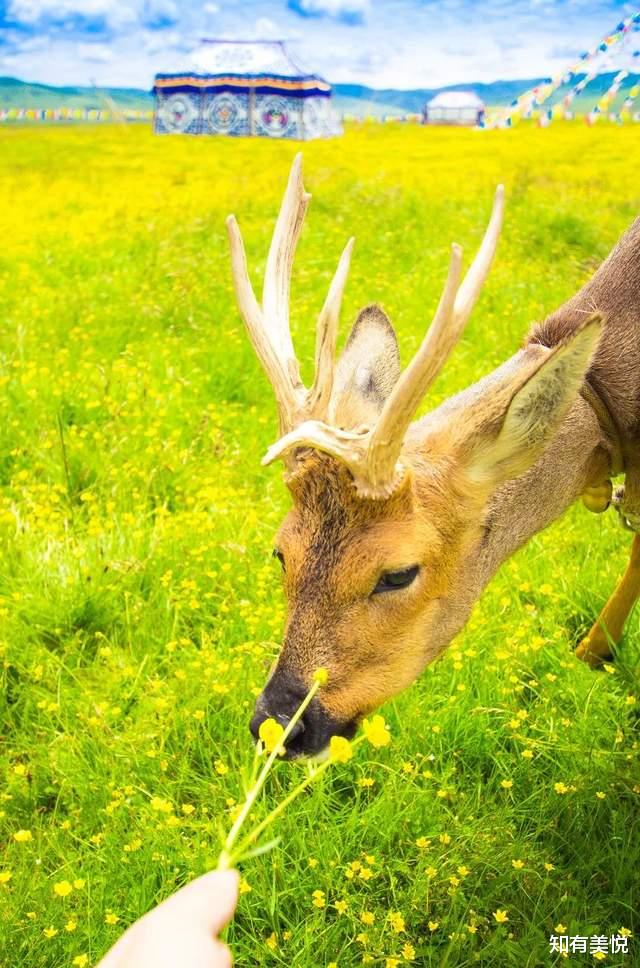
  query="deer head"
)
[{"x": 387, "y": 515}]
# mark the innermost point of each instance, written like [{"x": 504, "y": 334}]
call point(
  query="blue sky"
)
[{"x": 382, "y": 43}]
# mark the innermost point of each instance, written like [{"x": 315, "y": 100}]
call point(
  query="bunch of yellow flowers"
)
[{"x": 272, "y": 740}]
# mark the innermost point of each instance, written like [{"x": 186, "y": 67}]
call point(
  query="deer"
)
[{"x": 397, "y": 525}]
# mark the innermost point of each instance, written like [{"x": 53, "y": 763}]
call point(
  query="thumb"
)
[{"x": 208, "y": 901}]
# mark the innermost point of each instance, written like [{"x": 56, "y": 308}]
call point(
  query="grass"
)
[{"x": 140, "y": 607}]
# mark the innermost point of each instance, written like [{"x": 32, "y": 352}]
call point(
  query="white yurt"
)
[
  {"x": 244, "y": 88},
  {"x": 455, "y": 107}
]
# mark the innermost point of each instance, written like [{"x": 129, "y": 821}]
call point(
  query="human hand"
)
[{"x": 183, "y": 929}]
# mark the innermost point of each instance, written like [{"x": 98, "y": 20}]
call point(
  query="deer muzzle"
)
[{"x": 280, "y": 699}]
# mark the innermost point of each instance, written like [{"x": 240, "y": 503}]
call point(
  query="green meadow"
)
[{"x": 140, "y": 607}]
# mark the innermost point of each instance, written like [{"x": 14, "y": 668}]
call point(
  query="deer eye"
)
[
  {"x": 393, "y": 580},
  {"x": 278, "y": 554}
]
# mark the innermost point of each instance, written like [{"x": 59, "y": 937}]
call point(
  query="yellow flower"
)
[
  {"x": 111, "y": 918},
  {"x": 506, "y": 784},
  {"x": 244, "y": 887},
  {"x": 5, "y": 877},
  {"x": 272, "y": 941},
  {"x": 600, "y": 795},
  {"x": 71, "y": 926},
  {"x": 423, "y": 843},
  {"x": 560, "y": 787},
  {"x": 434, "y": 925},
  {"x": 341, "y": 906},
  {"x": 624, "y": 933},
  {"x": 391, "y": 963},
  {"x": 367, "y": 917},
  {"x": 340, "y": 749},
  {"x": 500, "y": 916},
  {"x": 79, "y": 883},
  {"x": 63, "y": 888},
  {"x": 518, "y": 864},
  {"x": 528, "y": 754},
  {"x": 408, "y": 952},
  {"x": 160, "y": 805},
  {"x": 23, "y": 836},
  {"x": 397, "y": 922},
  {"x": 560, "y": 928},
  {"x": 599, "y": 955},
  {"x": 321, "y": 676},
  {"x": 319, "y": 899},
  {"x": 270, "y": 733},
  {"x": 50, "y": 932},
  {"x": 376, "y": 731},
  {"x": 80, "y": 961}
]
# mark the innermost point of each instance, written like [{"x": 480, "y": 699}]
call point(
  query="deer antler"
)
[
  {"x": 268, "y": 325},
  {"x": 372, "y": 455}
]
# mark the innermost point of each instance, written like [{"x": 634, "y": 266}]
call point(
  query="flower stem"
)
[
  {"x": 308, "y": 780},
  {"x": 226, "y": 857}
]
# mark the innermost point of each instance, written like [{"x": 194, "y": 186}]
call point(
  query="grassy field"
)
[{"x": 140, "y": 606}]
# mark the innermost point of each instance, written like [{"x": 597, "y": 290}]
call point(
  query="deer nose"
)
[
  {"x": 280, "y": 700},
  {"x": 260, "y": 717}
]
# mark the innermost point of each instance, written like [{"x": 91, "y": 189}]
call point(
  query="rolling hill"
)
[{"x": 355, "y": 99}]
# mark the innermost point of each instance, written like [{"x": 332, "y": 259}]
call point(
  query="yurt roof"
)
[
  {"x": 456, "y": 99},
  {"x": 249, "y": 58}
]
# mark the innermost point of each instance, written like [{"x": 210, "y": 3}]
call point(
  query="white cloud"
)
[
  {"x": 340, "y": 9},
  {"x": 266, "y": 29},
  {"x": 114, "y": 12},
  {"x": 211, "y": 8},
  {"x": 117, "y": 14},
  {"x": 95, "y": 53}
]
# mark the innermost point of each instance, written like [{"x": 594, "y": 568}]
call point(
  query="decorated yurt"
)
[
  {"x": 244, "y": 88},
  {"x": 455, "y": 107}
]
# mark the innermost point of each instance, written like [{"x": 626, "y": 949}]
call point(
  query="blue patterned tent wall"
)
[{"x": 270, "y": 115}]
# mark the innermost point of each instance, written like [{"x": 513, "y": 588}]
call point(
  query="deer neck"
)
[{"x": 578, "y": 457}]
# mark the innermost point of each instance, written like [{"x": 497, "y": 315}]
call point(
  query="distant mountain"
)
[
  {"x": 413, "y": 101},
  {"x": 356, "y": 99},
  {"x": 21, "y": 94}
]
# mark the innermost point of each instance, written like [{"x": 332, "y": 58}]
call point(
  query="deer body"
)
[{"x": 396, "y": 527}]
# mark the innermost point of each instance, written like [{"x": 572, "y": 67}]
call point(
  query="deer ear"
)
[
  {"x": 366, "y": 371},
  {"x": 537, "y": 401}
]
